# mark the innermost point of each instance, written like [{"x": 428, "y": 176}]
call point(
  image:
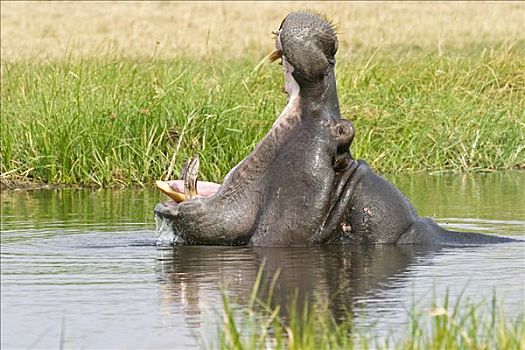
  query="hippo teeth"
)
[
  {"x": 189, "y": 175},
  {"x": 165, "y": 188},
  {"x": 275, "y": 55},
  {"x": 189, "y": 183}
]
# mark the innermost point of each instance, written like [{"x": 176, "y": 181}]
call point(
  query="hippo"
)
[{"x": 300, "y": 185}]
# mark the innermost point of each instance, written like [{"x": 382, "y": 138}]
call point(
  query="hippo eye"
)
[
  {"x": 340, "y": 130},
  {"x": 331, "y": 60}
]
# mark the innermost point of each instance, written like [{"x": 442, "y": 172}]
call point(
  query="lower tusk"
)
[{"x": 165, "y": 188}]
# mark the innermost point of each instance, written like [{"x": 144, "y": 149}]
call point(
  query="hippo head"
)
[
  {"x": 307, "y": 44},
  {"x": 288, "y": 191}
]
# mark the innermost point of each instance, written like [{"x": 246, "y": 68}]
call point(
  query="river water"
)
[{"x": 80, "y": 268}]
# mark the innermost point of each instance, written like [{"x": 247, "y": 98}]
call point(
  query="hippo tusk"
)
[
  {"x": 165, "y": 188},
  {"x": 189, "y": 179},
  {"x": 189, "y": 175},
  {"x": 275, "y": 55}
]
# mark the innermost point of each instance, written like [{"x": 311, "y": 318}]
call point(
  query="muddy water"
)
[{"x": 80, "y": 269}]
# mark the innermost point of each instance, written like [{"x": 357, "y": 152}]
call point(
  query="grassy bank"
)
[{"x": 110, "y": 120}]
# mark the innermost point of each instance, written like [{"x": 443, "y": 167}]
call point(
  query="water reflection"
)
[
  {"x": 340, "y": 274},
  {"x": 493, "y": 196}
]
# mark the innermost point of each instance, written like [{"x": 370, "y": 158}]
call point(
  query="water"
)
[{"x": 80, "y": 268}]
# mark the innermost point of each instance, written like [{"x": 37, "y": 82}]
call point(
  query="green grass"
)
[
  {"x": 465, "y": 325},
  {"x": 109, "y": 121}
]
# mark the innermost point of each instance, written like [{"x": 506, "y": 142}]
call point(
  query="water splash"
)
[{"x": 166, "y": 236}]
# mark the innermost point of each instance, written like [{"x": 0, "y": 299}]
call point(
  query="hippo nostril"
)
[{"x": 340, "y": 130}]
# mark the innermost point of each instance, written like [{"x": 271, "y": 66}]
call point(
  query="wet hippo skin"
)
[{"x": 301, "y": 185}]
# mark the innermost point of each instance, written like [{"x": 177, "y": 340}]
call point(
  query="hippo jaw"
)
[
  {"x": 307, "y": 44},
  {"x": 286, "y": 192}
]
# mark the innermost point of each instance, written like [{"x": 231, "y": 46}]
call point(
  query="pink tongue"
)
[{"x": 204, "y": 188}]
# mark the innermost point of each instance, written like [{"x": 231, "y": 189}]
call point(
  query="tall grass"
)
[
  {"x": 465, "y": 325},
  {"x": 109, "y": 120}
]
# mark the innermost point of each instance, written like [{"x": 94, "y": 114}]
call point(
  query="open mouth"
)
[
  {"x": 293, "y": 187},
  {"x": 189, "y": 187},
  {"x": 290, "y": 86}
]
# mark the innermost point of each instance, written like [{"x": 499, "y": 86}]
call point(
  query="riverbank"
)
[
  {"x": 111, "y": 121},
  {"x": 120, "y": 94},
  {"x": 118, "y": 122}
]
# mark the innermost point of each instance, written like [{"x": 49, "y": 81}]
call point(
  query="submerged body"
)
[
  {"x": 377, "y": 212},
  {"x": 301, "y": 185}
]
